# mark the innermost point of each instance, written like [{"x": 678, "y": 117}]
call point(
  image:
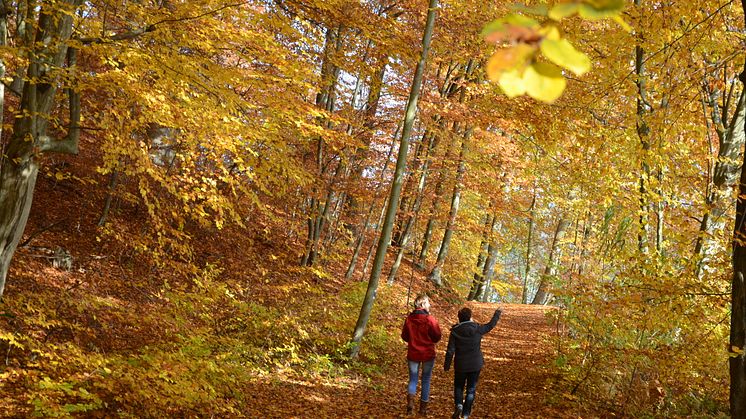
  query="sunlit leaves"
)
[
  {"x": 562, "y": 53},
  {"x": 525, "y": 40},
  {"x": 563, "y": 10},
  {"x": 544, "y": 81}
]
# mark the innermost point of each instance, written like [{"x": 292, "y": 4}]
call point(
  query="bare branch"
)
[{"x": 124, "y": 36}]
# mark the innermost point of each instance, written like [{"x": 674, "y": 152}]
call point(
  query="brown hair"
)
[{"x": 464, "y": 314}]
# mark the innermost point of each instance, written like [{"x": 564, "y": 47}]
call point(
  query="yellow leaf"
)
[
  {"x": 563, "y": 10},
  {"x": 507, "y": 59},
  {"x": 562, "y": 53},
  {"x": 550, "y": 32},
  {"x": 511, "y": 82},
  {"x": 544, "y": 82},
  {"x": 618, "y": 19}
]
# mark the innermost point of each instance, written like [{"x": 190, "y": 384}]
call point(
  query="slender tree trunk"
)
[
  {"x": 361, "y": 237},
  {"x": 324, "y": 99},
  {"x": 542, "y": 293},
  {"x": 476, "y": 283},
  {"x": 584, "y": 243},
  {"x": 5, "y": 12},
  {"x": 737, "y": 347},
  {"x": 489, "y": 272},
  {"x": 109, "y": 197},
  {"x": 448, "y": 89},
  {"x": 527, "y": 271},
  {"x": 724, "y": 175},
  {"x": 370, "y": 249},
  {"x": 659, "y": 213},
  {"x": 415, "y": 209},
  {"x": 643, "y": 132},
  {"x": 393, "y": 203},
  {"x": 19, "y": 165},
  {"x": 436, "y": 274}
]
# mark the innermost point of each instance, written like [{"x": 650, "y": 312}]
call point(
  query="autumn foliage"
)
[{"x": 205, "y": 184}]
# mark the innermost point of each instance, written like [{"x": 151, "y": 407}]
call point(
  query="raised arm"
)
[{"x": 485, "y": 328}]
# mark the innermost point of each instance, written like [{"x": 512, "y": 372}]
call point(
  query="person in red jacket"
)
[{"x": 421, "y": 332}]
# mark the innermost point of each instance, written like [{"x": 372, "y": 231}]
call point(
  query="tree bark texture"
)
[
  {"x": 19, "y": 166},
  {"x": 731, "y": 138}
]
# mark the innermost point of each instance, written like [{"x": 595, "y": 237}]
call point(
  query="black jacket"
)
[{"x": 466, "y": 343}]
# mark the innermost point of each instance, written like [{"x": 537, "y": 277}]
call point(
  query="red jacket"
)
[{"x": 421, "y": 331}]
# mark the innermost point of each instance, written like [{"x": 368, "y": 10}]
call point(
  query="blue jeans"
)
[
  {"x": 470, "y": 379},
  {"x": 427, "y": 374}
]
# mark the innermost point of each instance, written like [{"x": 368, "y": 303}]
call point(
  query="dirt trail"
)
[{"x": 512, "y": 383}]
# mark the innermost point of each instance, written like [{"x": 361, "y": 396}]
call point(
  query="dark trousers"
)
[{"x": 470, "y": 379}]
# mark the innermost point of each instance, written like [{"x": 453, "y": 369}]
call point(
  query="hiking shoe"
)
[{"x": 457, "y": 411}]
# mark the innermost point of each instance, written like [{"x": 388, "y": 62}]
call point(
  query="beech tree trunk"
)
[
  {"x": 437, "y": 272},
  {"x": 643, "y": 132},
  {"x": 324, "y": 99},
  {"x": 19, "y": 165},
  {"x": 731, "y": 137},
  {"x": 737, "y": 347},
  {"x": 542, "y": 293},
  {"x": 476, "y": 283},
  {"x": 401, "y": 164},
  {"x": 527, "y": 271},
  {"x": 364, "y": 229},
  {"x": 406, "y": 229},
  {"x": 488, "y": 272}
]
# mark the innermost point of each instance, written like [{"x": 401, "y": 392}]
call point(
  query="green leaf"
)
[
  {"x": 544, "y": 82},
  {"x": 494, "y": 26},
  {"x": 563, "y": 10},
  {"x": 511, "y": 82},
  {"x": 562, "y": 53}
]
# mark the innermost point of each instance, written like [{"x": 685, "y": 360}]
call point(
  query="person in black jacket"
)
[{"x": 465, "y": 343}]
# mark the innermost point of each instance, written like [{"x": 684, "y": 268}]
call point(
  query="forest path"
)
[{"x": 511, "y": 385}]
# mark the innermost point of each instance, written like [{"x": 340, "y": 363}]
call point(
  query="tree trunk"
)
[
  {"x": 737, "y": 347},
  {"x": 109, "y": 197},
  {"x": 643, "y": 132},
  {"x": 527, "y": 271},
  {"x": 436, "y": 274},
  {"x": 4, "y": 14},
  {"x": 731, "y": 139},
  {"x": 370, "y": 249},
  {"x": 542, "y": 294},
  {"x": 324, "y": 99},
  {"x": 415, "y": 209},
  {"x": 489, "y": 272},
  {"x": 477, "y": 282},
  {"x": 361, "y": 237},
  {"x": 19, "y": 166},
  {"x": 393, "y": 203}
]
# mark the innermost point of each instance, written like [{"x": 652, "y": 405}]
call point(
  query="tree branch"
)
[
  {"x": 69, "y": 145},
  {"x": 124, "y": 36}
]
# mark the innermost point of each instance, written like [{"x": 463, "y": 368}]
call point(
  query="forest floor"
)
[{"x": 513, "y": 384}]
